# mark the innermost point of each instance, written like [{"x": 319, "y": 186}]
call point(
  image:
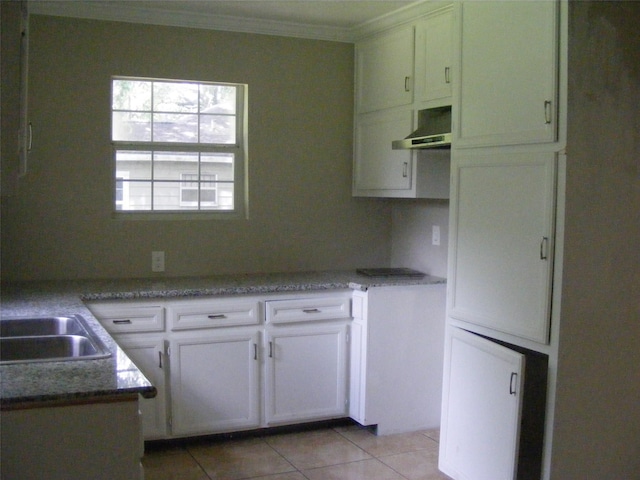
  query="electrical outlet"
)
[
  {"x": 157, "y": 261},
  {"x": 435, "y": 235}
]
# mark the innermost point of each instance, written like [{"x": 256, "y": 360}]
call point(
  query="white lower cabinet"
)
[
  {"x": 396, "y": 357},
  {"x": 306, "y": 369},
  {"x": 482, "y": 405},
  {"x": 225, "y": 364},
  {"x": 215, "y": 381},
  {"x": 148, "y": 352}
]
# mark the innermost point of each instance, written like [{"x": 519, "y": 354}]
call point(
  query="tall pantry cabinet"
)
[{"x": 504, "y": 171}]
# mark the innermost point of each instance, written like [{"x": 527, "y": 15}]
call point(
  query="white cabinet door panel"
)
[
  {"x": 384, "y": 70},
  {"x": 482, "y": 402},
  {"x": 306, "y": 373},
  {"x": 434, "y": 40},
  {"x": 215, "y": 382},
  {"x": 147, "y": 351},
  {"x": 502, "y": 242},
  {"x": 377, "y": 166},
  {"x": 508, "y": 73}
]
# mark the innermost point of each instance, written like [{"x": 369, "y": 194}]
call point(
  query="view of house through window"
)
[{"x": 178, "y": 145}]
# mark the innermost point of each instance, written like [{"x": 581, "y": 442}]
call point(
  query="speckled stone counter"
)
[{"x": 30, "y": 384}]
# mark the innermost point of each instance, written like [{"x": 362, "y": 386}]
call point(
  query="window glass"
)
[{"x": 178, "y": 143}]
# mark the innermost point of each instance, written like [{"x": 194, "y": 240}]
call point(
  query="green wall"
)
[{"x": 58, "y": 223}]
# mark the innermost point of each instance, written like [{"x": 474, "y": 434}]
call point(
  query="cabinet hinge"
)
[{"x": 168, "y": 351}]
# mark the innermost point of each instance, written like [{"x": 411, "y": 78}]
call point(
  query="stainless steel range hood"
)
[{"x": 434, "y": 130}]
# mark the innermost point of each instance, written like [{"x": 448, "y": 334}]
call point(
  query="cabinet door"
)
[
  {"x": 502, "y": 242},
  {"x": 214, "y": 381},
  {"x": 434, "y": 48},
  {"x": 384, "y": 71},
  {"x": 148, "y": 354},
  {"x": 306, "y": 373},
  {"x": 508, "y": 73},
  {"x": 378, "y": 168},
  {"x": 482, "y": 403}
]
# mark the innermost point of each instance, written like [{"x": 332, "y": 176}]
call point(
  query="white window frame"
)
[
  {"x": 124, "y": 203},
  {"x": 238, "y": 150}
]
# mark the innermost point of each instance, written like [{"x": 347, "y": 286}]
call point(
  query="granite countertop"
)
[{"x": 31, "y": 384}]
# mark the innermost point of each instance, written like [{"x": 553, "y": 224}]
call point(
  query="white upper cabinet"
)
[
  {"x": 508, "y": 68},
  {"x": 379, "y": 169},
  {"x": 434, "y": 48},
  {"x": 384, "y": 70},
  {"x": 398, "y": 72},
  {"x": 501, "y": 239}
]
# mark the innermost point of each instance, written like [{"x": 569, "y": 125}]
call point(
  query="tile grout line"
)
[{"x": 198, "y": 463}]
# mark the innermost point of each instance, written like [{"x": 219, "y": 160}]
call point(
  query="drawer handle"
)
[
  {"x": 217, "y": 316},
  {"x": 311, "y": 310},
  {"x": 122, "y": 322}
]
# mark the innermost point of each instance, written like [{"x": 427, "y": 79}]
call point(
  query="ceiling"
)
[
  {"x": 323, "y": 19},
  {"x": 334, "y": 13}
]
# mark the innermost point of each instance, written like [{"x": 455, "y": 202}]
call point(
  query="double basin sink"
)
[{"x": 47, "y": 339}]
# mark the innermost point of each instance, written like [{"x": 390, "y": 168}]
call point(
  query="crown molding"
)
[
  {"x": 405, "y": 14},
  {"x": 131, "y": 13}
]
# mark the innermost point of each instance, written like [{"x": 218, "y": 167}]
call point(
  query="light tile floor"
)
[{"x": 338, "y": 453}]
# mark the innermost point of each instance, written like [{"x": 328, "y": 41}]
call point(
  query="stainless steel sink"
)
[
  {"x": 29, "y": 327},
  {"x": 55, "y": 338}
]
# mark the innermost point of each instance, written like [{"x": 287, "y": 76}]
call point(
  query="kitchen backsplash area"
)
[{"x": 413, "y": 223}]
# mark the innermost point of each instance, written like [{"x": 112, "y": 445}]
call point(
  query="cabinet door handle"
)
[
  {"x": 311, "y": 310},
  {"x": 30, "y": 137},
  {"x": 512, "y": 383},
  {"x": 547, "y": 112},
  {"x": 544, "y": 245},
  {"x": 405, "y": 169},
  {"x": 159, "y": 359},
  {"x": 122, "y": 322},
  {"x": 447, "y": 74},
  {"x": 255, "y": 351},
  {"x": 217, "y": 316},
  {"x": 270, "y": 349},
  {"x": 407, "y": 84}
]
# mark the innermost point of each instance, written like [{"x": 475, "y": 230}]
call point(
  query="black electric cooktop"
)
[{"x": 390, "y": 272}]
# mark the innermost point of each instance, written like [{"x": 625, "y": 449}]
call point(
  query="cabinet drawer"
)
[
  {"x": 124, "y": 317},
  {"x": 308, "y": 309},
  {"x": 213, "y": 313}
]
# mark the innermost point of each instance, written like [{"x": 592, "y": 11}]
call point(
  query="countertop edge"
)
[{"x": 67, "y": 296}]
